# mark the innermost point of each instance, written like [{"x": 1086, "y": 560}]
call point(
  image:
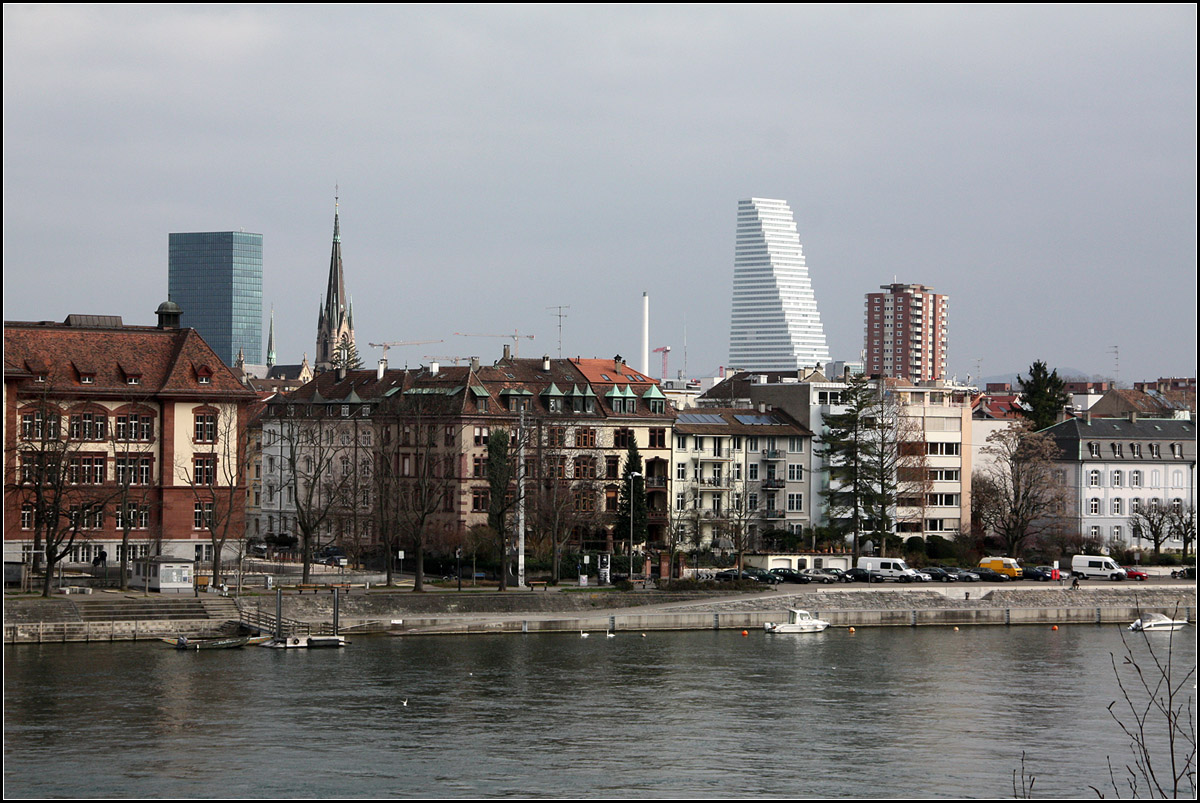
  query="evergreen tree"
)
[
  {"x": 848, "y": 446},
  {"x": 1043, "y": 396},
  {"x": 500, "y": 473},
  {"x": 634, "y": 506},
  {"x": 346, "y": 354}
]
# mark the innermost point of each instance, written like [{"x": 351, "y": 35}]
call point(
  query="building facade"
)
[
  {"x": 906, "y": 333},
  {"x": 775, "y": 323},
  {"x": 146, "y": 422},
  {"x": 216, "y": 278},
  {"x": 1114, "y": 468},
  {"x": 738, "y": 473}
]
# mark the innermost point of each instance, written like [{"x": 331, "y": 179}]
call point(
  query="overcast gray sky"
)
[{"x": 1037, "y": 164}]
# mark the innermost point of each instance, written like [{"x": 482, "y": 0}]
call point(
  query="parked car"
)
[
  {"x": 732, "y": 574},
  {"x": 791, "y": 576},
  {"x": 1055, "y": 574},
  {"x": 762, "y": 575},
  {"x": 834, "y": 571},
  {"x": 1031, "y": 573},
  {"x": 921, "y": 576},
  {"x": 986, "y": 575},
  {"x": 857, "y": 575},
  {"x": 963, "y": 575},
  {"x": 939, "y": 574},
  {"x": 1134, "y": 573},
  {"x": 819, "y": 576}
]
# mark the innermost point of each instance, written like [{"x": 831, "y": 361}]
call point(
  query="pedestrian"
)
[{"x": 1075, "y": 584}]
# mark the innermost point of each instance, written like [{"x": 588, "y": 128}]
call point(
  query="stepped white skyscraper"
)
[{"x": 775, "y": 323}]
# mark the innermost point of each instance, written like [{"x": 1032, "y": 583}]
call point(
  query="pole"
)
[
  {"x": 632, "y": 474},
  {"x": 521, "y": 501}
]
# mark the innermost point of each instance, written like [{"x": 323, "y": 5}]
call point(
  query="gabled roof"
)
[
  {"x": 747, "y": 421},
  {"x": 163, "y": 361}
]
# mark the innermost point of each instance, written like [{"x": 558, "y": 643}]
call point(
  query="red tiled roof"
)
[{"x": 164, "y": 360}]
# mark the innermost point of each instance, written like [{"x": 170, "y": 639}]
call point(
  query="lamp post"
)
[{"x": 632, "y": 474}]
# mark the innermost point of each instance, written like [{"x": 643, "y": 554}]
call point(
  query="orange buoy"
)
[
  {"x": 1054, "y": 628},
  {"x": 852, "y": 630},
  {"x": 745, "y": 632}
]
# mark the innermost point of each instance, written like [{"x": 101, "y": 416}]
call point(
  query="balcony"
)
[
  {"x": 656, "y": 482},
  {"x": 774, "y": 454},
  {"x": 774, "y": 514},
  {"x": 773, "y": 482}
]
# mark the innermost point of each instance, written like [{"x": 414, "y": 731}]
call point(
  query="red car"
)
[{"x": 1134, "y": 573}]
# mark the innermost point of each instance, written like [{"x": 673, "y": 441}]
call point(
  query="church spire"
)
[
  {"x": 271, "y": 341},
  {"x": 334, "y": 322}
]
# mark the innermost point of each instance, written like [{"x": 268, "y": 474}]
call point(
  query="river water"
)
[{"x": 885, "y": 712}]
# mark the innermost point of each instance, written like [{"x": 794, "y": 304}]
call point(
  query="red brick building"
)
[{"x": 151, "y": 427}]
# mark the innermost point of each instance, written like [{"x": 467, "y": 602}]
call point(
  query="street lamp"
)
[{"x": 632, "y": 474}]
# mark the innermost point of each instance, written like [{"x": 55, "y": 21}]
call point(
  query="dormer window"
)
[
  {"x": 204, "y": 375},
  {"x": 133, "y": 380},
  {"x": 205, "y": 380}
]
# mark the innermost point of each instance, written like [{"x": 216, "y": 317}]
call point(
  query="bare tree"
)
[
  {"x": 217, "y": 480},
  {"x": 1184, "y": 523},
  {"x": 421, "y": 472},
  {"x": 1017, "y": 496},
  {"x": 563, "y": 486},
  {"x": 131, "y": 440},
  {"x": 1154, "y": 522},
  {"x": 312, "y": 487},
  {"x": 61, "y": 489}
]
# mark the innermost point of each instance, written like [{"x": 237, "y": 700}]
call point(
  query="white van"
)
[
  {"x": 1096, "y": 567},
  {"x": 890, "y": 568}
]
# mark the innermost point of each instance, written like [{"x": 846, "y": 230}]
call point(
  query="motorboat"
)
[
  {"x": 798, "y": 622},
  {"x": 305, "y": 642},
  {"x": 1153, "y": 622}
]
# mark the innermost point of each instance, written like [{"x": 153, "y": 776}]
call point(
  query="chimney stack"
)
[
  {"x": 434, "y": 367},
  {"x": 546, "y": 363},
  {"x": 379, "y": 372},
  {"x": 507, "y": 351}
]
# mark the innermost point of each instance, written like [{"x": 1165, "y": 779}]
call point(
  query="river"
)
[{"x": 885, "y": 712}]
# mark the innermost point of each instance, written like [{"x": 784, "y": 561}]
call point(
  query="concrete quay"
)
[{"x": 572, "y": 610}]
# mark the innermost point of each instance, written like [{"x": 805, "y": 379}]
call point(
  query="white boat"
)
[
  {"x": 305, "y": 642},
  {"x": 1152, "y": 622},
  {"x": 798, "y": 622}
]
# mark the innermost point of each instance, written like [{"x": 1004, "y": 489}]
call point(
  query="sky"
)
[{"x": 497, "y": 166}]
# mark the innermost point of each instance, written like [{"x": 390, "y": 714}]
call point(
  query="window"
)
[
  {"x": 752, "y": 472},
  {"x": 1118, "y": 478},
  {"x": 943, "y": 449},
  {"x": 1118, "y": 507},
  {"x": 1135, "y": 479},
  {"x": 1094, "y": 449},
  {"x": 681, "y": 471},
  {"x": 795, "y": 503},
  {"x": 204, "y": 470},
  {"x": 657, "y": 406},
  {"x": 202, "y": 515},
  {"x": 479, "y": 466},
  {"x": 1135, "y": 506},
  {"x": 1116, "y": 533},
  {"x": 943, "y": 500},
  {"x": 623, "y": 438},
  {"x": 556, "y": 436},
  {"x": 681, "y": 442},
  {"x": 91, "y": 426},
  {"x": 612, "y": 467},
  {"x": 87, "y": 470},
  {"x": 33, "y": 425},
  {"x": 1094, "y": 506},
  {"x": 205, "y": 427},
  {"x": 27, "y": 516},
  {"x": 795, "y": 472},
  {"x": 479, "y": 500},
  {"x": 1094, "y": 531},
  {"x": 585, "y": 501},
  {"x": 1177, "y": 450},
  {"x": 132, "y": 470},
  {"x": 481, "y": 436},
  {"x": 658, "y": 438},
  {"x": 795, "y": 444},
  {"x": 680, "y": 503},
  {"x": 1135, "y": 449},
  {"x": 1094, "y": 478},
  {"x": 585, "y": 469},
  {"x": 1155, "y": 451},
  {"x": 585, "y": 438},
  {"x": 1177, "y": 506}
]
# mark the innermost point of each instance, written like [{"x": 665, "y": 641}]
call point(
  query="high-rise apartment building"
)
[
  {"x": 775, "y": 323},
  {"x": 906, "y": 333},
  {"x": 216, "y": 278}
]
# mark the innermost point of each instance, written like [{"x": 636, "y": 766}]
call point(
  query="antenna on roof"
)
[{"x": 561, "y": 315}]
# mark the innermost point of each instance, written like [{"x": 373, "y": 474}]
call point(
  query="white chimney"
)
[
  {"x": 433, "y": 368},
  {"x": 382, "y": 368},
  {"x": 646, "y": 334},
  {"x": 546, "y": 363}
]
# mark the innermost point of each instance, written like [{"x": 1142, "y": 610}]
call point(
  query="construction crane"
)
[
  {"x": 455, "y": 360},
  {"x": 665, "y": 351},
  {"x": 386, "y": 346},
  {"x": 515, "y": 337}
]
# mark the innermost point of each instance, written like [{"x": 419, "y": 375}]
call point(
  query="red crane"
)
[{"x": 665, "y": 351}]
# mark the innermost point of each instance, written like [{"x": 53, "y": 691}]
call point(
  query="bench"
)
[
  {"x": 313, "y": 587},
  {"x": 533, "y": 584},
  {"x": 340, "y": 586}
]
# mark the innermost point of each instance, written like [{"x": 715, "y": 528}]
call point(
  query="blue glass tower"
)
[{"x": 216, "y": 278}]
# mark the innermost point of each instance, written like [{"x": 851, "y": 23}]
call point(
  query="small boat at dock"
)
[
  {"x": 798, "y": 622},
  {"x": 223, "y": 643},
  {"x": 305, "y": 642}
]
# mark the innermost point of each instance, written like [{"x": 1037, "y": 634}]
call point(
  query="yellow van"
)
[{"x": 1007, "y": 566}]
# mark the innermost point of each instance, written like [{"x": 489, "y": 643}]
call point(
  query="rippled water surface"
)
[{"x": 880, "y": 713}]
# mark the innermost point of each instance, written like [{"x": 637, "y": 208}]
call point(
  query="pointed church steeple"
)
[
  {"x": 334, "y": 323},
  {"x": 271, "y": 342}
]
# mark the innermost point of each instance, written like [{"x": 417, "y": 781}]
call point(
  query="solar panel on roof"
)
[
  {"x": 701, "y": 418},
  {"x": 757, "y": 420}
]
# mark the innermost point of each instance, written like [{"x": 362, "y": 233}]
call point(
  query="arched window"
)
[{"x": 1094, "y": 478}]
